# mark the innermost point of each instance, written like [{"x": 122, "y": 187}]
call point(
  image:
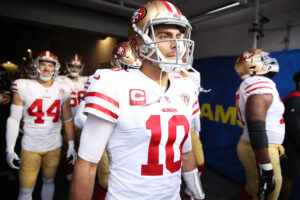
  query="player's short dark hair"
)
[{"x": 296, "y": 77}]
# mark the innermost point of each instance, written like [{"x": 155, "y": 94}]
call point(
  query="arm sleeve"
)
[
  {"x": 80, "y": 118},
  {"x": 94, "y": 137},
  {"x": 12, "y": 126}
]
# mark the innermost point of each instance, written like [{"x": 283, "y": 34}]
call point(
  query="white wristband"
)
[
  {"x": 192, "y": 180},
  {"x": 68, "y": 120},
  {"x": 266, "y": 166},
  {"x": 71, "y": 144}
]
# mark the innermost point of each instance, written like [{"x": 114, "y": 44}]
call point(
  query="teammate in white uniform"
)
[
  {"x": 144, "y": 121},
  {"x": 260, "y": 109},
  {"x": 122, "y": 58},
  {"x": 76, "y": 82},
  {"x": 194, "y": 76},
  {"x": 40, "y": 102}
]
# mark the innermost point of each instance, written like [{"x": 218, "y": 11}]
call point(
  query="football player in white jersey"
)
[
  {"x": 144, "y": 121},
  {"x": 194, "y": 76},
  {"x": 260, "y": 109},
  {"x": 122, "y": 58},
  {"x": 76, "y": 82},
  {"x": 40, "y": 102}
]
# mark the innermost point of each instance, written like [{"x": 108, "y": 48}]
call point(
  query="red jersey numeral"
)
[
  {"x": 39, "y": 113},
  {"x": 54, "y": 107},
  {"x": 153, "y": 168},
  {"x": 52, "y": 111},
  {"x": 76, "y": 98}
]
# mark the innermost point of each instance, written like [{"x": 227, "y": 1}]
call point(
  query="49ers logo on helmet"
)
[
  {"x": 4, "y": 99},
  {"x": 138, "y": 15},
  {"x": 120, "y": 51},
  {"x": 247, "y": 55}
]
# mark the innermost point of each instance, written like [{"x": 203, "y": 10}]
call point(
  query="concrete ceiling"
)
[{"x": 22, "y": 22}]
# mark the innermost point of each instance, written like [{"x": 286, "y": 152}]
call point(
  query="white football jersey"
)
[
  {"x": 41, "y": 113},
  {"x": 195, "y": 77},
  {"x": 275, "y": 126},
  {"x": 77, "y": 90},
  {"x": 152, "y": 130}
]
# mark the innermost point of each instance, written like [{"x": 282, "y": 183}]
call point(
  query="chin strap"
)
[
  {"x": 74, "y": 74},
  {"x": 45, "y": 78}
]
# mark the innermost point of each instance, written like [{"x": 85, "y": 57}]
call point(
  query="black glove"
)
[{"x": 267, "y": 182}]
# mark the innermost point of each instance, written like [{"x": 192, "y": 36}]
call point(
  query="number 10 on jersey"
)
[{"x": 153, "y": 168}]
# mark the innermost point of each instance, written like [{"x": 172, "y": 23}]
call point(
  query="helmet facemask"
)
[
  {"x": 72, "y": 73},
  {"x": 75, "y": 60},
  {"x": 36, "y": 63},
  {"x": 184, "y": 46},
  {"x": 270, "y": 64}
]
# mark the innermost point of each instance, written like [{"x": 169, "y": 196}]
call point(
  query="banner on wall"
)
[{"x": 220, "y": 126}]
